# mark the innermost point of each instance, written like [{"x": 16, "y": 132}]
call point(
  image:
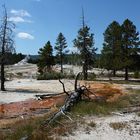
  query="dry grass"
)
[{"x": 119, "y": 125}]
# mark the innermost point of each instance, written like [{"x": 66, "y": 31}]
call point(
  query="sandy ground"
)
[
  {"x": 22, "y": 84},
  {"x": 103, "y": 131},
  {"x": 23, "y": 89}
]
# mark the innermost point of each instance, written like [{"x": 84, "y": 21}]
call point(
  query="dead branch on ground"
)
[{"x": 73, "y": 97}]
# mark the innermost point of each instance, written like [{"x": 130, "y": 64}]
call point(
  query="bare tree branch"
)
[{"x": 63, "y": 87}]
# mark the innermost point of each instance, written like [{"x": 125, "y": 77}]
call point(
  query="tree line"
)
[
  {"x": 120, "y": 49},
  {"x": 84, "y": 42}
]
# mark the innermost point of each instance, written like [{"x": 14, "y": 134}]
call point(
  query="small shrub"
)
[
  {"x": 54, "y": 75},
  {"x": 139, "y": 114},
  {"x": 91, "y": 76},
  {"x": 136, "y": 74},
  {"x": 51, "y": 75},
  {"x": 20, "y": 74}
]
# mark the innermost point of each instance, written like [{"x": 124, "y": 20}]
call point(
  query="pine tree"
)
[
  {"x": 61, "y": 45},
  {"x": 84, "y": 42},
  {"x": 130, "y": 44},
  {"x": 111, "y": 53},
  {"x": 46, "y": 58}
]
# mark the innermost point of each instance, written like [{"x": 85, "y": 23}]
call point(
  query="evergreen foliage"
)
[
  {"x": 111, "y": 53},
  {"x": 46, "y": 58},
  {"x": 61, "y": 45},
  {"x": 130, "y": 44},
  {"x": 121, "y": 47},
  {"x": 84, "y": 42}
]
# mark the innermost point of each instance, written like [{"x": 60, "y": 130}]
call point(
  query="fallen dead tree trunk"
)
[{"x": 71, "y": 99}]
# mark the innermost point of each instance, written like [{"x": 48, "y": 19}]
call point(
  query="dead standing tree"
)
[
  {"x": 72, "y": 98},
  {"x": 6, "y": 43}
]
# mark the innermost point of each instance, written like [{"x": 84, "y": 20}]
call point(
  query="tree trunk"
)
[
  {"x": 2, "y": 77},
  {"x": 6, "y": 41},
  {"x": 126, "y": 73},
  {"x": 114, "y": 73},
  {"x": 3, "y": 56},
  {"x": 61, "y": 63},
  {"x": 109, "y": 75},
  {"x": 61, "y": 68},
  {"x": 85, "y": 71}
]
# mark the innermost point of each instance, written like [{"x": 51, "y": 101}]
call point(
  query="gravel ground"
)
[{"x": 128, "y": 128}]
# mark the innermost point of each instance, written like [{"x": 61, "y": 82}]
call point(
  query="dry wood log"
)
[{"x": 71, "y": 99}]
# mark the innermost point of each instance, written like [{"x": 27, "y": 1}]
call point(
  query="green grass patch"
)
[
  {"x": 22, "y": 129},
  {"x": 32, "y": 129},
  {"x": 88, "y": 108},
  {"x": 97, "y": 108},
  {"x": 105, "y": 108}
]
